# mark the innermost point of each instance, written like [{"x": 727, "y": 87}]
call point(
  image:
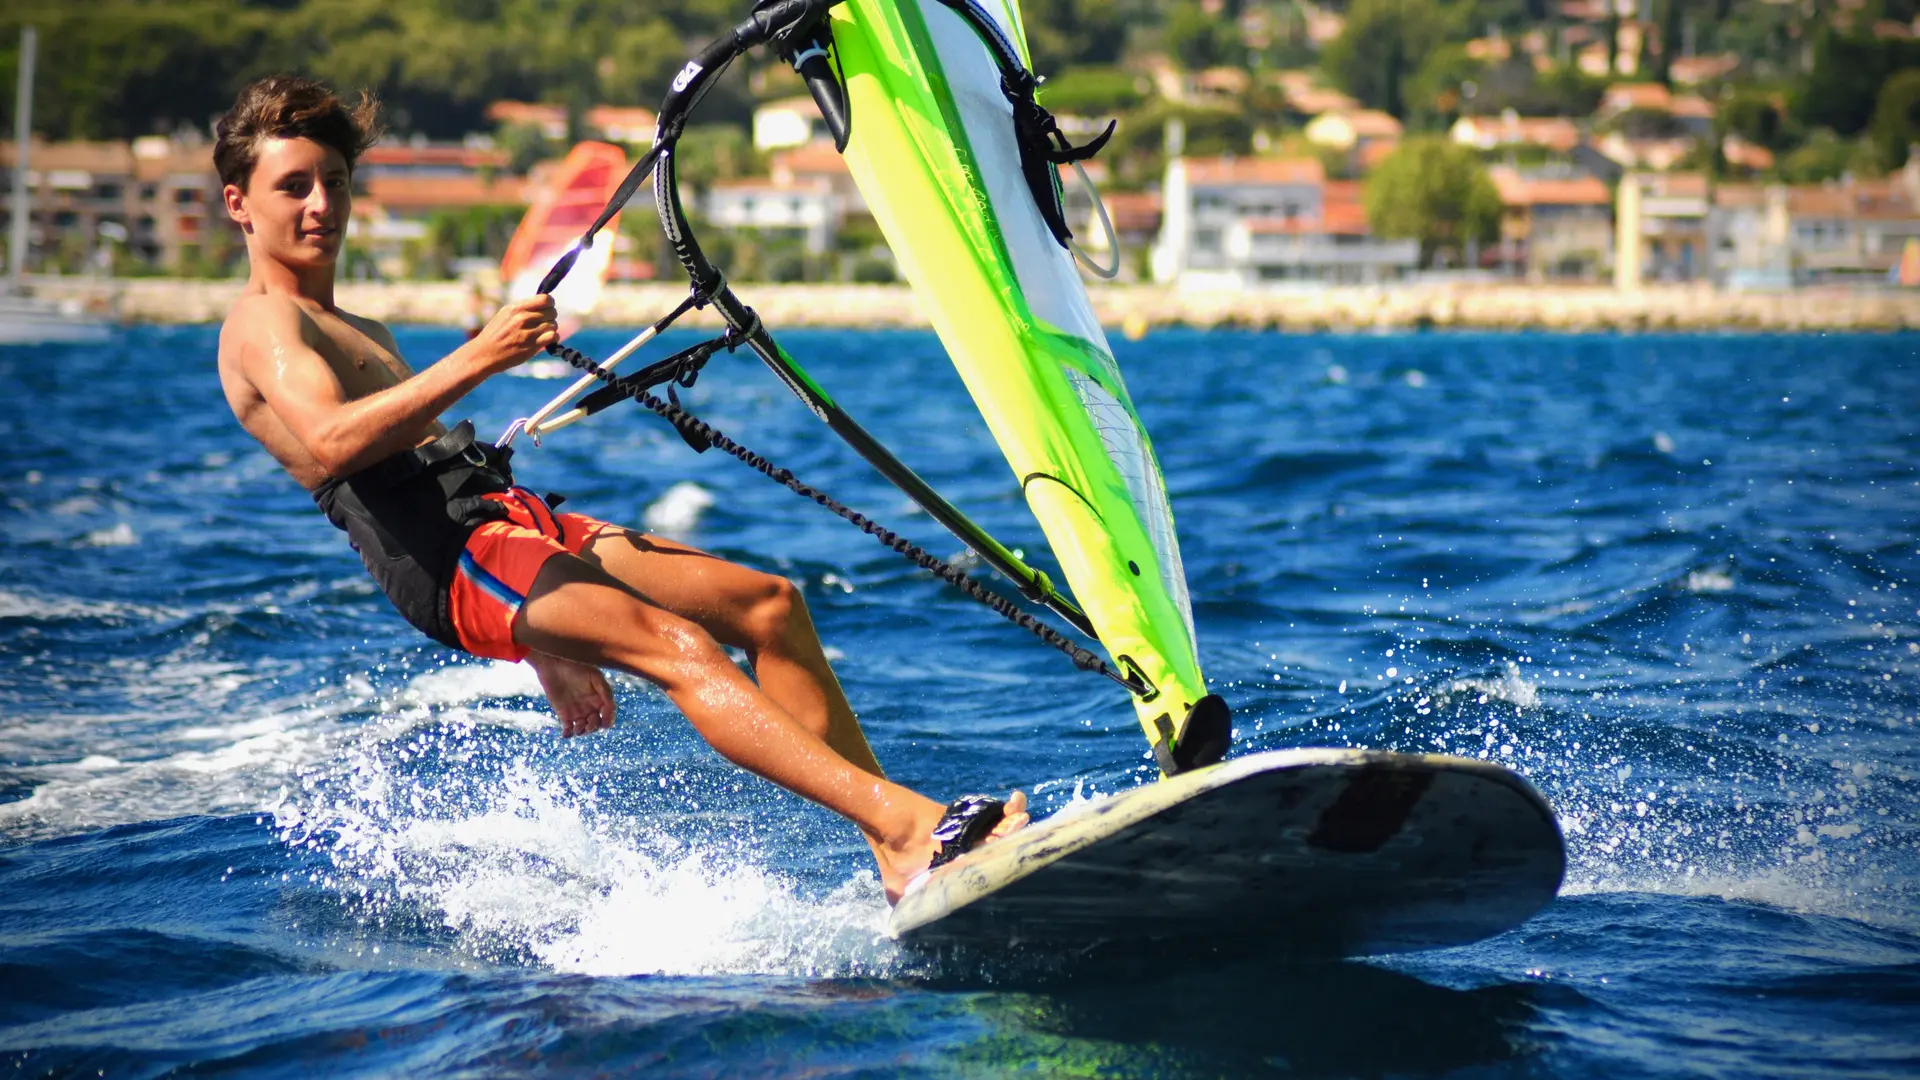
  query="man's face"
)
[{"x": 296, "y": 204}]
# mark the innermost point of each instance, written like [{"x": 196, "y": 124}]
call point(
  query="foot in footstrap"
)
[{"x": 968, "y": 822}]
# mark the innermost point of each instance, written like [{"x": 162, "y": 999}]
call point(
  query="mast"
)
[{"x": 22, "y": 135}]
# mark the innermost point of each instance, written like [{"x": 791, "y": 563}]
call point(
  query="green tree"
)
[
  {"x": 1896, "y": 118},
  {"x": 1759, "y": 117},
  {"x": 1382, "y": 47},
  {"x": 1064, "y": 34},
  {"x": 1199, "y": 40},
  {"x": 1435, "y": 191},
  {"x": 713, "y": 152},
  {"x": 1827, "y": 156},
  {"x": 1091, "y": 91},
  {"x": 1848, "y": 72}
]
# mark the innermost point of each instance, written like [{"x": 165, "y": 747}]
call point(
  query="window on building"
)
[
  {"x": 149, "y": 192},
  {"x": 1206, "y": 239},
  {"x": 108, "y": 191},
  {"x": 186, "y": 196}
]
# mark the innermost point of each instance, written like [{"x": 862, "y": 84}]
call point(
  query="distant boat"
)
[
  {"x": 1907, "y": 272},
  {"x": 561, "y": 210},
  {"x": 24, "y": 319}
]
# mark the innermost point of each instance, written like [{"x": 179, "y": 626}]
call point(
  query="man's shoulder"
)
[{"x": 256, "y": 313}]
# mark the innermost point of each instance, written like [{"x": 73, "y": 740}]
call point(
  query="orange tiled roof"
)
[
  {"x": 1692, "y": 70},
  {"x": 1517, "y": 190},
  {"x": 1693, "y": 105},
  {"x": 814, "y": 158},
  {"x": 433, "y": 192},
  {"x": 1746, "y": 155},
  {"x": 1133, "y": 211},
  {"x": 1255, "y": 170},
  {"x": 1374, "y": 124},
  {"x": 1376, "y": 152},
  {"x": 627, "y": 115},
  {"x": 526, "y": 112},
  {"x": 106, "y": 158},
  {"x": 1623, "y": 96},
  {"x": 1484, "y": 49},
  {"x": 464, "y": 157}
]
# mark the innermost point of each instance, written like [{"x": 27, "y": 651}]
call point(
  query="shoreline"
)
[{"x": 1574, "y": 309}]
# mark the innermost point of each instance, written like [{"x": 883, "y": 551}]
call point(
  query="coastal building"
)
[
  {"x": 1553, "y": 134},
  {"x": 1305, "y": 98},
  {"x": 807, "y": 211},
  {"x": 615, "y": 123},
  {"x": 1353, "y": 129},
  {"x": 1554, "y": 226},
  {"x": 788, "y": 122},
  {"x": 1661, "y": 229},
  {"x": 816, "y": 163},
  {"x": 404, "y": 187},
  {"x": 1231, "y": 223},
  {"x": 154, "y": 203}
]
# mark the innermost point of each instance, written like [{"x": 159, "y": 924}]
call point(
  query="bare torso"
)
[{"x": 361, "y": 353}]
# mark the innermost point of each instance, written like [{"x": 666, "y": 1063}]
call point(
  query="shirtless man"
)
[{"x": 488, "y": 568}]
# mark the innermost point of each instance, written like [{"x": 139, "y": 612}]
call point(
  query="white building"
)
[
  {"x": 793, "y": 121},
  {"x": 805, "y": 210},
  {"x": 1234, "y": 223}
]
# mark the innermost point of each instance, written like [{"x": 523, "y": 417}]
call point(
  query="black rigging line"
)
[{"x": 699, "y": 434}]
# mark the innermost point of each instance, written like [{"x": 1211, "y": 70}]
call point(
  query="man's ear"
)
[{"x": 236, "y": 203}]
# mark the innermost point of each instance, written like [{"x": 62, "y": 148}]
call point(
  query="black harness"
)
[{"x": 409, "y": 516}]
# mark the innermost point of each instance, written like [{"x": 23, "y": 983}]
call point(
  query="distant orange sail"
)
[
  {"x": 562, "y": 209},
  {"x": 1910, "y": 263}
]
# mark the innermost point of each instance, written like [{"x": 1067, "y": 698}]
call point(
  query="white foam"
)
[
  {"x": 187, "y": 749},
  {"x": 527, "y": 870},
  {"x": 544, "y": 369},
  {"x": 121, "y": 535},
  {"x": 1709, "y": 581},
  {"x": 24, "y": 606},
  {"x": 1511, "y": 688},
  {"x": 677, "y": 513}
]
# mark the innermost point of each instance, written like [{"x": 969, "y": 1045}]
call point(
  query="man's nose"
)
[{"x": 320, "y": 201}]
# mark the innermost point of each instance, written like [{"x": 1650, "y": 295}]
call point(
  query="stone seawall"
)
[{"x": 1490, "y": 307}]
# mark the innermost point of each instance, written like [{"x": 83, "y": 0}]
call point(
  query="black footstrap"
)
[{"x": 968, "y": 822}]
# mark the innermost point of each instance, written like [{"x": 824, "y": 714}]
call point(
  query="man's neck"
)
[{"x": 302, "y": 283}]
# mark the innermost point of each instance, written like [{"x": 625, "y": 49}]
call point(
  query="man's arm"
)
[{"x": 344, "y": 435}]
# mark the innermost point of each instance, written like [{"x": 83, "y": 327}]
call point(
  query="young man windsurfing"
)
[{"x": 487, "y": 567}]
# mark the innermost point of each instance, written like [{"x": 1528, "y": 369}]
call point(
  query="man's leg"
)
[
  {"x": 578, "y": 612},
  {"x": 763, "y": 614}
]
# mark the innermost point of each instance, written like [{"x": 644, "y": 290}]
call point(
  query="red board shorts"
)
[{"x": 498, "y": 566}]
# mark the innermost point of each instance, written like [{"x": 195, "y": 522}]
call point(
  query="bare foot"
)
[
  {"x": 578, "y": 692},
  {"x": 899, "y": 867}
]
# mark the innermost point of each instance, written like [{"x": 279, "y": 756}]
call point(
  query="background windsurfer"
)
[{"x": 489, "y": 568}]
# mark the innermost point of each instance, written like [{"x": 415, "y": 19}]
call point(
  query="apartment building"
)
[
  {"x": 1230, "y": 223},
  {"x": 98, "y": 205}
]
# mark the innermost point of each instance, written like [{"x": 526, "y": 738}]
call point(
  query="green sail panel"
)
[{"x": 934, "y": 154}]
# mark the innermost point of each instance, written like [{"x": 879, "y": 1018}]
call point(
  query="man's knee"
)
[{"x": 773, "y": 612}]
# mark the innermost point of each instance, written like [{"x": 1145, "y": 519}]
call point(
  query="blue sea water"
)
[{"x": 251, "y": 824}]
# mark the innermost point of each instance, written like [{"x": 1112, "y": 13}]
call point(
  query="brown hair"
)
[{"x": 290, "y": 107}]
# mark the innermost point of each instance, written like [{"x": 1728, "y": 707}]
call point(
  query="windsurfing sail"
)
[
  {"x": 964, "y": 183},
  {"x": 560, "y": 211},
  {"x": 934, "y": 151}
]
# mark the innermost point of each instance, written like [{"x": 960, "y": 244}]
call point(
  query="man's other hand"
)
[{"x": 515, "y": 333}]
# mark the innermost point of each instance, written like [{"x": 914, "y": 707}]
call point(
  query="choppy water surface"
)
[{"x": 249, "y": 821}]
